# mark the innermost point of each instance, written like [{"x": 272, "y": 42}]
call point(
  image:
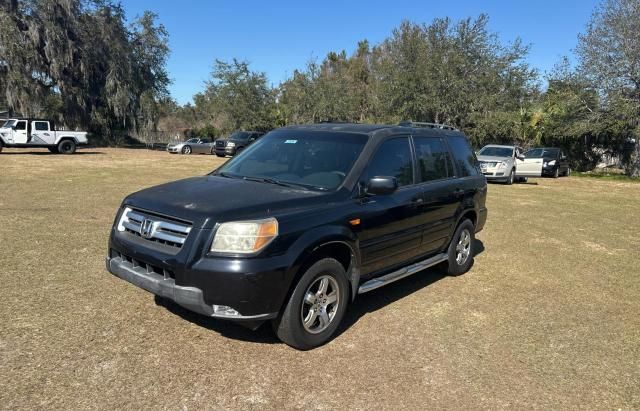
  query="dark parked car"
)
[
  {"x": 304, "y": 220},
  {"x": 544, "y": 161},
  {"x": 235, "y": 143}
]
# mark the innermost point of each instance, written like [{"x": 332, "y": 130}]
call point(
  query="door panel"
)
[
  {"x": 391, "y": 229},
  {"x": 20, "y": 133},
  {"x": 529, "y": 167}
]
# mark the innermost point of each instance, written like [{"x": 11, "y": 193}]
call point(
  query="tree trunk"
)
[{"x": 633, "y": 166}]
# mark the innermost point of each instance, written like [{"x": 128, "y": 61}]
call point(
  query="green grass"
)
[{"x": 605, "y": 175}]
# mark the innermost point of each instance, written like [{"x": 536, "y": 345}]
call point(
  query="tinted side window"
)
[
  {"x": 434, "y": 161},
  {"x": 464, "y": 156},
  {"x": 41, "y": 125},
  {"x": 21, "y": 125},
  {"x": 393, "y": 159}
]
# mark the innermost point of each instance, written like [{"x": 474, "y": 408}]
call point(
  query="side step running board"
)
[{"x": 401, "y": 273}]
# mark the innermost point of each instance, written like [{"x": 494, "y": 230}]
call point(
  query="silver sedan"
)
[{"x": 193, "y": 145}]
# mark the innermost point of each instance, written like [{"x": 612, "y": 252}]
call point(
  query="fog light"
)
[{"x": 224, "y": 310}]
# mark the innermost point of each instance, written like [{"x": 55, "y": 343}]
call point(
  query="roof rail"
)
[{"x": 426, "y": 125}]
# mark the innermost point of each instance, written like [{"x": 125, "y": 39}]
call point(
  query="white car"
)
[
  {"x": 501, "y": 163},
  {"x": 22, "y": 132}
]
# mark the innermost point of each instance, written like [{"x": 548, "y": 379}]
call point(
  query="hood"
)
[
  {"x": 209, "y": 199},
  {"x": 493, "y": 158}
]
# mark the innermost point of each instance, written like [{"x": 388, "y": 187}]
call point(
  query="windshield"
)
[
  {"x": 312, "y": 159},
  {"x": 541, "y": 152},
  {"x": 497, "y": 151},
  {"x": 239, "y": 135},
  {"x": 9, "y": 124},
  {"x": 192, "y": 140}
]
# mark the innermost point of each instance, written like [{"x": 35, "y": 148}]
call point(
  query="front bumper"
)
[
  {"x": 495, "y": 174},
  {"x": 190, "y": 298},
  {"x": 227, "y": 151},
  {"x": 173, "y": 149},
  {"x": 254, "y": 287}
]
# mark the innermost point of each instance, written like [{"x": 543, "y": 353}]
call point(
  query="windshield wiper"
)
[{"x": 266, "y": 180}]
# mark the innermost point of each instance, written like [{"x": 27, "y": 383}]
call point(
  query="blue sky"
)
[{"x": 280, "y": 36}]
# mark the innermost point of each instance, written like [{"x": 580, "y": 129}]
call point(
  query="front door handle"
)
[
  {"x": 458, "y": 193},
  {"x": 417, "y": 201}
]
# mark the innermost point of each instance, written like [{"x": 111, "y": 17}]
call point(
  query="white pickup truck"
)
[{"x": 21, "y": 132}]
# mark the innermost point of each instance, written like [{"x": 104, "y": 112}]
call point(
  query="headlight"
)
[
  {"x": 124, "y": 218},
  {"x": 244, "y": 236},
  {"x": 502, "y": 165},
  {"x": 552, "y": 163},
  {"x": 231, "y": 144}
]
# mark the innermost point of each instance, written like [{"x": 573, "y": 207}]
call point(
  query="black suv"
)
[
  {"x": 302, "y": 221},
  {"x": 235, "y": 143}
]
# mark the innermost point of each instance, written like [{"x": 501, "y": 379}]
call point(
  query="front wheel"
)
[
  {"x": 511, "y": 178},
  {"x": 186, "y": 150},
  {"x": 67, "y": 147},
  {"x": 316, "y": 306},
  {"x": 556, "y": 173},
  {"x": 460, "y": 251}
]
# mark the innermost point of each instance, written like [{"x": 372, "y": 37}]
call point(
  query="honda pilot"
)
[{"x": 304, "y": 220}]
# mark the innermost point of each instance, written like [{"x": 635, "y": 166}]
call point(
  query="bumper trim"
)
[{"x": 187, "y": 297}]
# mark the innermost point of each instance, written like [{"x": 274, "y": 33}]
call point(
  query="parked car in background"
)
[
  {"x": 235, "y": 143},
  {"x": 499, "y": 163},
  {"x": 544, "y": 161},
  {"x": 312, "y": 216},
  {"x": 37, "y": 133},
  {"x": 192, "y": 146}
]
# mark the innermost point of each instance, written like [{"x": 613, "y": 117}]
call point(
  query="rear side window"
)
[
  {"x": 393, "y": 159},
  {"x": 41, "y": 125},
  {"x": 434, "y": 161},
  {"x": 464, "y": 156}
]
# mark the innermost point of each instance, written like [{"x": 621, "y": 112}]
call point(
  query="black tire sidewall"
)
[
  {"x": 556, "y": 173},
  {"x": 512, "y": 177},
  {"x": 288, "y": 326},
  {"x": 71, "y": 147},
  {"x": 453, "y": 268}
]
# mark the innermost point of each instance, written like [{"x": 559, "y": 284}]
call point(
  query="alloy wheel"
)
[
  {"x": 463, "y": 248},
  {"x": 320, "y": 304}
]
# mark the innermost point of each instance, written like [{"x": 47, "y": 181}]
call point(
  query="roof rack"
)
[{"x": 426, "y": 125}]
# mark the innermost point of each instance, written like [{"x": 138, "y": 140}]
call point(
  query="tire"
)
[
  {"x": 512, "y": 177},
  {"x": 568, "y": 172},
  {"x": 53, "y": 150},
  {"x": 290, "y": 326},
  {"x": 459, "y": 261},
  {"x": 66, "y": 147},
  {"x": 238, "y": 151},
  {"x": 1, "y": 146},
  {"x": 186, "y": 150},
  {"x": 220, "y": 155},
  {"x": 556, "y": 172}
]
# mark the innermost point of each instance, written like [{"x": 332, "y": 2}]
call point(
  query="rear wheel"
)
[
  {"x": 66, "y": 147},
  {"x": 316, "y": 306},
  {"x": 568, "y": 172},
  {"x": 186, "y": 150},
  {"x": 460, "y": 251}
]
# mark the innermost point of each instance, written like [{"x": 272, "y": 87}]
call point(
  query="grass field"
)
[{"x": 548, "y": 317}]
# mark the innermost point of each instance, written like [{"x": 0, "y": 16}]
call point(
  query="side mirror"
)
[
  {"x": 382, "y": 185},
  {"x": 520, "y": 157}
]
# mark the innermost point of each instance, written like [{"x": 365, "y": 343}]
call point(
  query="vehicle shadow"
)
[{"x": 362, "y": 305}]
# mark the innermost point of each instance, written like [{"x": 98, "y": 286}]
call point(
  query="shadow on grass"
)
[{"x": 361, "y": 306}]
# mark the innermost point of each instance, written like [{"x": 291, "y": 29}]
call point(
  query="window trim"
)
[{"x": 26, "y": 125}]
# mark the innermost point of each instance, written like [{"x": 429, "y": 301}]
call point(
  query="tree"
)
[
  {"x": 78, "y": 62},
  {"x": 237, "y": 98},
  {"x": 609, "y": 54}
]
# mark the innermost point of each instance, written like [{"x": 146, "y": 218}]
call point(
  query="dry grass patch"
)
[{"x": 548, "y": 317}]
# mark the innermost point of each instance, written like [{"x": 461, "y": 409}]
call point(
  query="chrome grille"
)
[
  {"x": 152, "y": 227},
  {"x": 221, "y": 143},
  {"x": 488, "y": 164}
]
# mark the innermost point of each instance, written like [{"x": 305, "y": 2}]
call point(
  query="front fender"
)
[{"x": 304, "y": 247}]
